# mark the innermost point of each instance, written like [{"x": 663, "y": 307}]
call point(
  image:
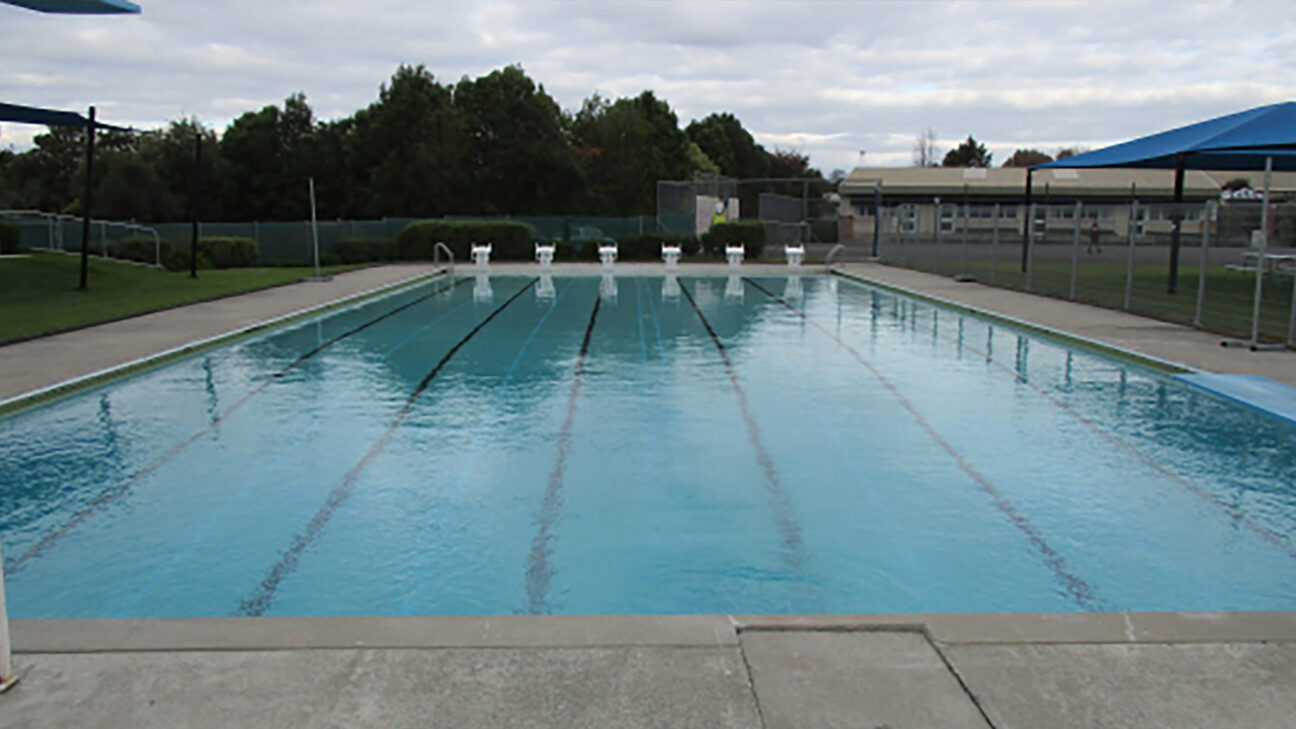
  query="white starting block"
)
[
  {"x": 607, "y": 253},
  {"x": 671, "y": 255},
  {"x": 795, "y": 254},
  {"x": 481, "y": 254},
  {"x": 544, "y": 254},
  {"x": 734, "y": 255}
]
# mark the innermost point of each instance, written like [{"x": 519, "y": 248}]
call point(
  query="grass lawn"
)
[
  {"x": 38, "y": 293},
  {"x": 1226, "y": 306}
]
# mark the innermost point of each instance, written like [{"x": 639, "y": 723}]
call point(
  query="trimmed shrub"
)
[
  {"x": 824, "y": 231},
  {"x": 750, "y": 233},
  {"x": 178, "y": 260},
  {"x": 10, "y": 237},
  {"x": 229, "y": 252},
  {"x": 647, "y": 246},
  {"x": 510, "y": 240},
  {"x": 141, "y": 248},
  {"x": 363, "y": 250},
  {"x": 690, "y": 245}
]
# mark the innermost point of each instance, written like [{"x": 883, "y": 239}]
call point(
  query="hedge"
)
[
  {"x": 750, "y": 233},
  {"x": 510, "y": 240},
  {"x": 363, "y": 250},
  {"x": 10, "y": 237},
  {"x": 647, "y": 246},
  {"x": 214, "y": 252},
  {"x": 141, "y": 248}
]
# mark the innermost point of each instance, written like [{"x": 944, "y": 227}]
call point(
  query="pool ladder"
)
[{"x": 436, "y": 255}]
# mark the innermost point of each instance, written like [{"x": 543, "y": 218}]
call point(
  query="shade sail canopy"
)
[
  {"x": 1238, "y": 141},
  {"x": 49, "y": 117},
  {"x": 78, "y": 7}
]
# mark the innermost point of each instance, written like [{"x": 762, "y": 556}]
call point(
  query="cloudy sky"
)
[{"x": 827, "y": 78}]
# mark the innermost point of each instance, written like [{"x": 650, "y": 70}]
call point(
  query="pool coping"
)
[
  {"x": 590, "y": 631},
  {"x": 1159, "y": 364},
  {"x": 62, "y": 389}
]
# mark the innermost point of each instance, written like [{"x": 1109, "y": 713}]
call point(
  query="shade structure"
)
[
  {"x": 1238, "y": 141},
  {"x": 49, "y": 117},
  {"x": 78, "y": 7}
]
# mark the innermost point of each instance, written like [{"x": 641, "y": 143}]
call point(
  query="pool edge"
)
[
  {"x": 587, "y": 631},
  {"x": 40, "y": 396},
  {"x": 1164, "y": 366}
]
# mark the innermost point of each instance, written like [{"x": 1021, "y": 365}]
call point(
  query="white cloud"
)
[{"x": 826, "y": 78}]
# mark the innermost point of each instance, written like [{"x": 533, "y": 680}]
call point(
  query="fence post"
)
[
  {"x": 1201, "y": 271},
  {"x": 1030, "y": 244},
  {"x": 1075, "y": 249},
  {"x": 7, "y": 677},
  {"x": 963, "y": 257},
  {"x": 994, "y": 241},
  {"x": 936, "y": 233},
  {"x": 1129, "y": 263},
  {"x": 877, "y": 217}
]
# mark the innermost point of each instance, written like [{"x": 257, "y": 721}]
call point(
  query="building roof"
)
[{"x": 1011, "y": 181}]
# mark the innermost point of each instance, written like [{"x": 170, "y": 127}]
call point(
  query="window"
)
[
  {"x": 909, "y": 218},
  {"x": 947, "y": 217}
]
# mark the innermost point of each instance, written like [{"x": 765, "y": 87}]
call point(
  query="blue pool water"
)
[{"x": 644, "y": 445}]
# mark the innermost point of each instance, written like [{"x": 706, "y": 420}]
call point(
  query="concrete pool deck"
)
[{"x": 973, "y": 670}]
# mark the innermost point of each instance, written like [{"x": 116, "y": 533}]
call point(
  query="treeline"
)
[{"x": 493, "y": 145}]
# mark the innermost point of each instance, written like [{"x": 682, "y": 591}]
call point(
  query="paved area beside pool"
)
[
  {"x": 1162, "y": 340},
  {"x": 38, "y": 363},
  {"x": 1221, "y": 670}
]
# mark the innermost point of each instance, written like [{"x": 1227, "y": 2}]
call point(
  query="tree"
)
[
  {"x": 791, "y": 163},
  {"x": 1072, "y": 151},
  {"x": 1027, "y": 158},
  {"x": 925, "y": 152},
  {"x": 271, "y": 153},
  {"x": 1237, "y": 183},
  {"x": 731, "y": 147},
  {"x": 969, "y": 153}
]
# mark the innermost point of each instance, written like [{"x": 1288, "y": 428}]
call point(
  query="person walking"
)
[{"x": 1093, "y": 238}]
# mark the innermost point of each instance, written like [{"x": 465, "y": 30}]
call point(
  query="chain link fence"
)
[
  {"x": 793, "y": 210},
  {"x": 1118, "y": 256}
]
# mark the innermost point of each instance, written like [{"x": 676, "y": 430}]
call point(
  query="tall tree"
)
[
  {"x": 731, "y": 147},
  {"x": 1027, "y": 158},
  {"x": 791, "y": 163},
  {"x": 271, "y": 154},
  {"x": 925, "y": 152},
  {"x": 969, "y": 153}
]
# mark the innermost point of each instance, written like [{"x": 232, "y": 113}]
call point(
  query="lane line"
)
[
  {"x": 1062, "y": 570},
  {"x": 538, "y": 571},
  {"x": 261, "y": 598},
  {"x": 1231, "y": 511},
  {"x": 788, "y": 527},
  {"x": 109, "y": 495}
]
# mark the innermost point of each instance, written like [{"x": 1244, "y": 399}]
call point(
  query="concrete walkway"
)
[
  {"x": 728, "y": 672},
  {"x": 39, "y": 363},
  {"x": 1162, "y": 340}
]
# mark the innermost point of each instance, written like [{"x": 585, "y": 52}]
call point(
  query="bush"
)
[
  {"x": 141, "y": 248},
  {"x": 824, "y": 231},
  {"x": 750, "y": 233},
  {"x": 331, "y": 258},
  {"x": 229, "y": 252},
  {"x": 178, "y": 260},
  {"x": 510, "y": 240},
  {"x": 364, "y": 250},
  {"x": 10, "y": 237}
]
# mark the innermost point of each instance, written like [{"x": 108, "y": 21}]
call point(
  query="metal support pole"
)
[
  {"x": 877, "y": 218},
  {"x": 7, "y": 677},
  {"x": 193, "y": 205},
  {"x": 1201, "y": 271},
  {"x": 1030, "y": 245},
  {"x": 1026, "y": 229},
  {"x": 1260, "y": 254},
  {"x": 936, "y": 232},
  {"x": 994, "y": 241},
  {"x": 1176, "y": 221},
  {"x": 314, "y": 226},
  {"x": 85, "y": 211},
  {"x": 963, "y": 253},
  {"x": 1075, "y": 249},
  {"x": 1129, "y": 262},
  {"x": 103, "y": 238}
]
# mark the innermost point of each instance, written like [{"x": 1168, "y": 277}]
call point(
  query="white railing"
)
[
  {"x": 436, "y": 255},
  {"x": 57, "y": 217}
]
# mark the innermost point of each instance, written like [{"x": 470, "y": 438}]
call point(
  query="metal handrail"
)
[
  {"x": 436, "y": 255},
  {"x": 828, "y": 259}
]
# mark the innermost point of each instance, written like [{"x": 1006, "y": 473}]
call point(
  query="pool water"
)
[{"x": 643, "y": 444}]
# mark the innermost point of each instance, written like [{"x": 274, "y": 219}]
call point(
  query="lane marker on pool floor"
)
[
  {"x": 261, "y": 598},
  {"x": 789, "y": 529},
  {"x": 108, "y": 496},
  {"x": 539, "y": 572},
  {"x": 1231, "y": 511},
  {"x": 1071, "y": 582}
]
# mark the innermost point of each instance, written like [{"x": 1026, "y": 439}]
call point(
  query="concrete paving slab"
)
[
  {"x": 1217, "y": 686},
  {"x": 892, "y": 679},
  {"x": 562, "y": 688},
  {"x": 1157, "y": 339}
]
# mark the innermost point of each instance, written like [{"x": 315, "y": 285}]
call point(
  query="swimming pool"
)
[{"x": 641, "y": 444}]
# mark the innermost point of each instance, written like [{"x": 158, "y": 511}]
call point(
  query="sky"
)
[{"x": 848, "y": 83}]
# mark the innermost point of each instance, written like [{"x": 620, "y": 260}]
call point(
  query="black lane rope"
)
[
  {"x": 260, "y": 599},
  {"x": 108, "y": 496},
  {"x": 788, "y": 527},
  {"x": 538, "y": 571},
  {"x": 1062, "y": 570},
  {"x": 1231, "y": 511}
]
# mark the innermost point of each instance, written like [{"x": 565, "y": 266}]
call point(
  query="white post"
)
[
  {"x": 314, "y": 227},
  {"x": 1260, "y": 254},
  {"x": 7, "y": 677}
]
